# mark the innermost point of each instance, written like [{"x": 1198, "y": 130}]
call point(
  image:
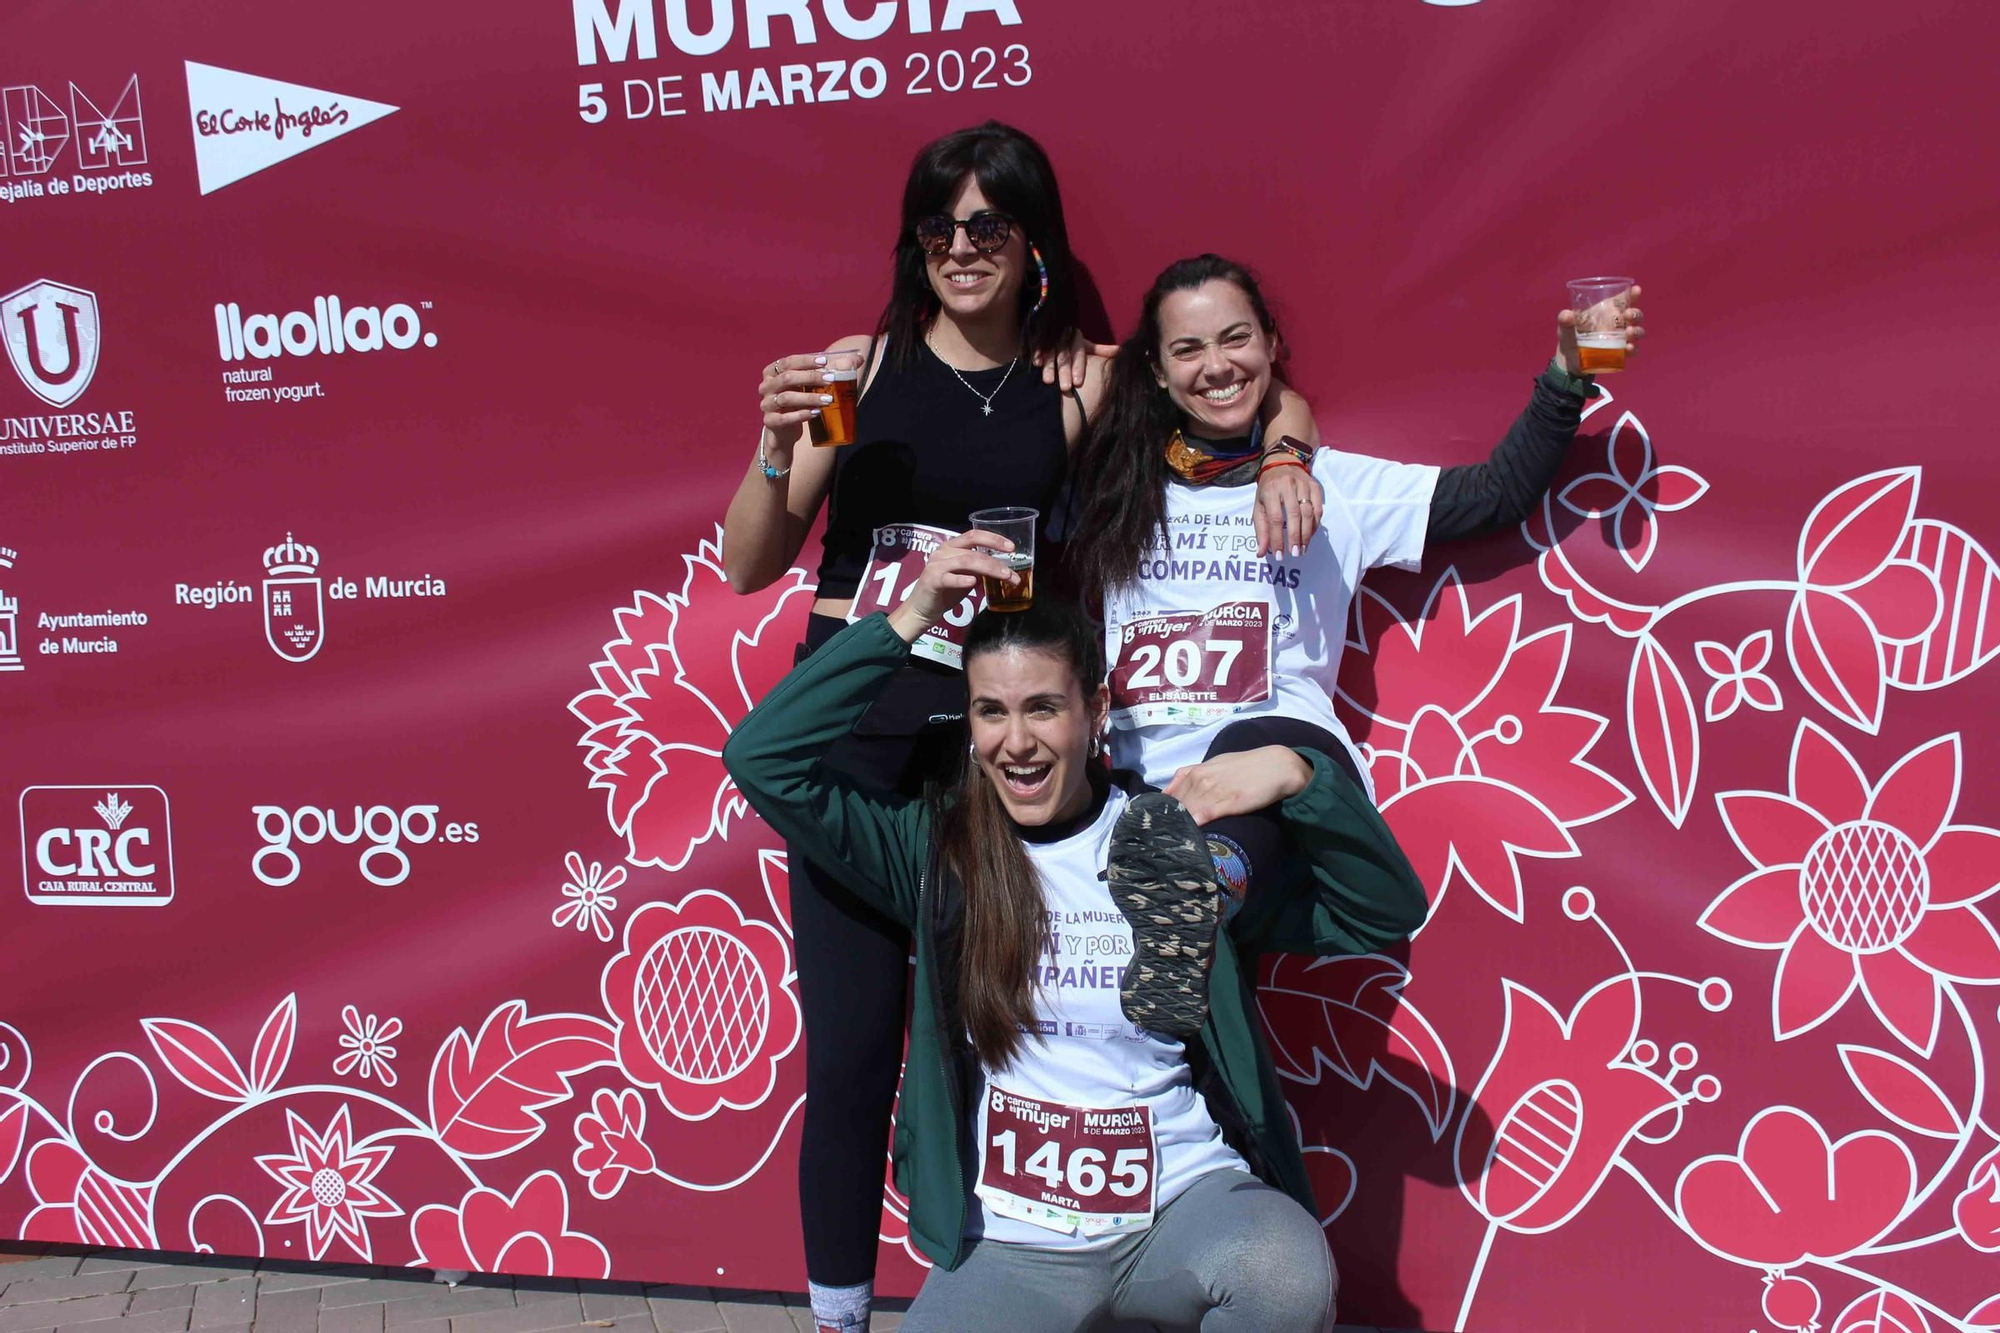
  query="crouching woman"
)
[{"x": 1062, "y": 1165}]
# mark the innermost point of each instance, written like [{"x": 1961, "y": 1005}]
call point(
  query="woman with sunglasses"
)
[
  {"x": 953, "y": 416},
  {"x": 1214, "y": 651},
  {"x": 1065, "y": 1167}
]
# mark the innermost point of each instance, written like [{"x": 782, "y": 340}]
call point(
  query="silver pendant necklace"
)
[{"x": 985, "y": 399}]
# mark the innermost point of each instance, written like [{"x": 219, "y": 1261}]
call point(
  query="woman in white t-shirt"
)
[
  {"x": 1064, "y": 1165},
  {"x": 1214, "y": 648}
]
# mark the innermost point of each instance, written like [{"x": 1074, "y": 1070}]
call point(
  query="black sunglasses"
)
[{"x": 987, "y": 231}]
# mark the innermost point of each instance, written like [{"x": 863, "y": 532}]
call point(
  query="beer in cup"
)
[
  {"x": 1017, "y": 525},
  {"x": 1600, "y": 304},
  {"x": 835, "y": 423}
]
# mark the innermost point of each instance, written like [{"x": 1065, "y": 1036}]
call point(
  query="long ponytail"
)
[{"x": 1004, "y": 926}]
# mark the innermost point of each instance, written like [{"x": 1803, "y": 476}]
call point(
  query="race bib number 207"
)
[
  {"x": 1191, "y": 667},
  {"x": 894, "y": 564}
]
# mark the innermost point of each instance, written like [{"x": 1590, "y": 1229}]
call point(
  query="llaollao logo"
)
[{"x": 331, "y": 327}]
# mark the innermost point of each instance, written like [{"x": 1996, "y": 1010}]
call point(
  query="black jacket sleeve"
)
[{"x": 1481, "y": 498}]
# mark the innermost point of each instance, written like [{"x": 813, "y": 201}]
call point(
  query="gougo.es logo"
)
[{"x": 384, "y": 830}]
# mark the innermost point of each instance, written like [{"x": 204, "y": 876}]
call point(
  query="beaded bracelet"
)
[{"x": 764, "y": 462}]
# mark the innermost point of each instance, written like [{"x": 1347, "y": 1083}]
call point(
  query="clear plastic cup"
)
[
  {"x": 1017, "y": 525},
  {"x": 834, "y": 425},
  {"x": 1600, "y": 304}
]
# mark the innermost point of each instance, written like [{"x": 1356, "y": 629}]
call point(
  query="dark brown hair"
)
[
  {"x": 1121, "y": 470},
  {"x": 1015, "y": 176},
  {"x": 1004, "y": 923}
]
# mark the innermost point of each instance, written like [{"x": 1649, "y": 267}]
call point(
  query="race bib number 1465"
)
[
  {"x": 894, "y": 564},
  {"x": 1074, "y": 1169}
]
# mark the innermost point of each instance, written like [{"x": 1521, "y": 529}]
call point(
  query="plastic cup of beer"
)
[
  {"x": 1599, "y": 304},
  {"x": 1017, "y": 525},
  {"x": 835, "y": 423}
]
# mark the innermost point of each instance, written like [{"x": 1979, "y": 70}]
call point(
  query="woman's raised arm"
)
[{"x": 781, "y": 491}]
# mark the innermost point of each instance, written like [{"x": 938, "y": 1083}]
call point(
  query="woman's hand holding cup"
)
[
  {"x": 953, "y": 570},
  {"x": 793, "y": 391}
]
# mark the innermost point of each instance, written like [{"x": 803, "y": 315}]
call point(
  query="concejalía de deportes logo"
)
[{"x": 101, "y": 135}]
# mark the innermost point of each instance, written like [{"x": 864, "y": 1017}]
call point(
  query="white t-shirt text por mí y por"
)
[
  {"x": 1085, "y": 1053},
  {"x": 1376, "y": 514}
]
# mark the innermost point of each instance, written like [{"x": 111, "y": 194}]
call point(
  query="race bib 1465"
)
[
  {"x": 894, "y": 564},
  {"x": 1074, "y": 1169}
]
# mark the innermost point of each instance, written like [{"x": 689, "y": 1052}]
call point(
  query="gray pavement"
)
[
  {"x": 127, "y": 1291},
  {"x": 72, "y": 1290}
]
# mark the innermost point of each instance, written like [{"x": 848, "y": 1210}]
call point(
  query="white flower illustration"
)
[
  {"x": 590, "y": 896},
  {"x": 366, "y": 1045}
]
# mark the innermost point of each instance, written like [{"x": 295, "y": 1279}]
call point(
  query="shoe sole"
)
[{"x": 1163, "y": 880}]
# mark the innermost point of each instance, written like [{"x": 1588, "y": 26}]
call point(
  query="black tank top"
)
[{"x": 925, "y": 453}]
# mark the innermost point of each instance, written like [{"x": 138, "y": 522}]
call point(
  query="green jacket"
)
[{"x": 1350, "y": 890}]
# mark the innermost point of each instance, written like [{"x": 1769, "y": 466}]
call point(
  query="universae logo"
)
[
  {"x": 97, "y": 846},
  {"x": 52, "y": 334}
]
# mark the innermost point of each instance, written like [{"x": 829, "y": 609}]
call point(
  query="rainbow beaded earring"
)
[{"x": 1043, "y": 269}]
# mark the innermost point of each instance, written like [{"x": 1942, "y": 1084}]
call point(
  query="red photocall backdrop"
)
[{"x": 379, "y": 374}]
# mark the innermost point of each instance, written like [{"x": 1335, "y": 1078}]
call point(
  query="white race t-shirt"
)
[
  {"x": 1086, "y": 1055},
  {"x": 1376, "y": 514}
]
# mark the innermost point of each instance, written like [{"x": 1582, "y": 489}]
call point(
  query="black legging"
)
[
  {"x": 853, "y": 966},
  {"x": 1259, "y": 837}
]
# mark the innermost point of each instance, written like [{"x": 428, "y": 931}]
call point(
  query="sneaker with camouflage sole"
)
[{"x": 1164, "y": 881}]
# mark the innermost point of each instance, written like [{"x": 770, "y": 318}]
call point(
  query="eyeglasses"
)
[
  {"x": 987, "y": 231},
  {"x": 1194, "y": 349}
]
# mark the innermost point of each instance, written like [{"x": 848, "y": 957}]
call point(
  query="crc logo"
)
[
  {"x": 383, "y": 862},
  {"x": 38, "y": 130},
  {"x": 97, "y": 846},
  {"x": 51, "y": 331},
  {"x": 294, "y": 613}
]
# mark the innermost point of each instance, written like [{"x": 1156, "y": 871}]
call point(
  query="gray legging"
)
[{"x": 1231, "y": 1253}]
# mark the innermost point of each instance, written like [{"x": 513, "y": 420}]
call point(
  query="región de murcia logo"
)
[
  {"x": 294, "y": 613},
  {"x": 97, "y": 846},
  {"x": 295, "y": 595}
]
